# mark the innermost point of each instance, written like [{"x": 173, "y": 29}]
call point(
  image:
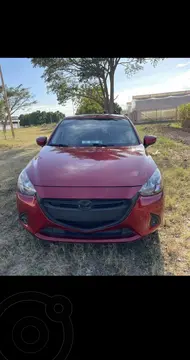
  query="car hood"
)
[{"x": 114, "y": 166}]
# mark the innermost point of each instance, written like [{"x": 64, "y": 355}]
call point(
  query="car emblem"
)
[{"x": 85, "y": 204}]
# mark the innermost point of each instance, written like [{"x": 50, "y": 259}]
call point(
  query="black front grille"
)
[
  {"x": 111, "y": 234},
  {"x": 87, "y": 215}
]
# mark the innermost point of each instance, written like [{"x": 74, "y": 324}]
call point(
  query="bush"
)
[{"x": 184, "y": 115}]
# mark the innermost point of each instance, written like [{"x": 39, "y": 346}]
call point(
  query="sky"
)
[{"x": 172, "y": 74}]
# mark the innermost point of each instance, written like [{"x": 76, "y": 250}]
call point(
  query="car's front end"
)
[
  {"x": 144, "y": 218},
  {"x": 91, "y": 211}
]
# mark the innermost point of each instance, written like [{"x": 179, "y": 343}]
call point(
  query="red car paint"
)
[
  {"x": 91, "y": 166},
  {"x": 92, "y": 173}
]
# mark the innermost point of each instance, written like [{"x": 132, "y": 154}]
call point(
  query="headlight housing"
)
[
  {"x": 24, "y": 184},
  {"x": 154, "y": 185}
]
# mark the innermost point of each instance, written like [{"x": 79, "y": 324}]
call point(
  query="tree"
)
[
  {"x": 72, "y": 78},
  {"x": 39, "y": 118},
  {"x": 2, "y": 110},
  {"x": 184, "y": 115},
  {"x": 117, "y": 108},
  {"x": 18, "y": 98},
  {"x": 88, "y": 105},
  {"x": 2, "y": 115}
]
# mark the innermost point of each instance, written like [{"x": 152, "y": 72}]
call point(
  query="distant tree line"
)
[
  {"x": 184, "y": 115},
  {"x": 40, "y": 117}
]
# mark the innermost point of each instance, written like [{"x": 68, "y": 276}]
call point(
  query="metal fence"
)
[{"x": 156, "y": 115}]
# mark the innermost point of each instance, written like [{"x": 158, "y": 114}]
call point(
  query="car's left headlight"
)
[
  {"x": 24, "y": 184},
  {"x": 153, "y": 186}
]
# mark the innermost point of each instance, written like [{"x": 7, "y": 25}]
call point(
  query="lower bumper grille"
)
[
  {"x": 113, "y": 234},
  {"x": 87, "y": 215}
]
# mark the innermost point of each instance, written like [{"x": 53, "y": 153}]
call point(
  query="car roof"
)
[{"x": 97, "y": 116}]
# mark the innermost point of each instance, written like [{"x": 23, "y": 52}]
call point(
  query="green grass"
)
[
  {"x": 176, "y": 125},
  {"x": 24, "y": 136},
  {"x": 173, "y": 159}
]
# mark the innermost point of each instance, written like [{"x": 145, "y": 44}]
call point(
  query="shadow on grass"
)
[
  {"x": 143, "y": 257},
  {"x": 8, "y": 153}
]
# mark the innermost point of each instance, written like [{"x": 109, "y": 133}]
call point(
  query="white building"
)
[
  {"x": 143, "y": 106},
  {"x": 15, "y": 121}
]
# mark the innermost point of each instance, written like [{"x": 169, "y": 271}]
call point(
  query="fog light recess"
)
[
  {"x": 24, "y": 218},
  {"x": 154, "y": 220}
]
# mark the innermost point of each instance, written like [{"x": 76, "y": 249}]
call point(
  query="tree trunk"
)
[
  {"x": 106, "y": 105},
  {"x": 5, "y": 126},
  {"x": 111, "y": 76},
  {"x": 111, "y": 102},
  {"x": 4, "y": 130},
  {"x": 106, "y": 98}
]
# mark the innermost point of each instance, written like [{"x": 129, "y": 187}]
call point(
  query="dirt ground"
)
[
  {"x": 174, "y": 133},
  {"x": 177, "y": 134},
  {"x": 22, "y": 254}
]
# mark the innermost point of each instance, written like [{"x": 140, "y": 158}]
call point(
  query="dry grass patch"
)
[
  {"x": 24, "y": 137},
  {"x": 173, "y": 159}
]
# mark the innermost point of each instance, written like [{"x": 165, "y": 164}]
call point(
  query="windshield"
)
[{"x": 93, "y": 132}]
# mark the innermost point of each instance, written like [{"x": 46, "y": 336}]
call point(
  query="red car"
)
[{"x": 92, "y": 181}]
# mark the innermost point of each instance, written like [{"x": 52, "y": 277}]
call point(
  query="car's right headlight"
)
[
  {"x": 24, "y": 184},
  {"x": 153, "y": 186}
]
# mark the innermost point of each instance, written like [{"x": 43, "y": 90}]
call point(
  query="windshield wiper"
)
[
  {"x": 99, "y": 145},
  {"x": 104, "y": 145},
  {"x": 59, "y": 145},
  {"x": 85, "y": 145}
]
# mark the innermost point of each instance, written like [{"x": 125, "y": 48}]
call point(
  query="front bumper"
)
[{"x": 140, "y": 221}]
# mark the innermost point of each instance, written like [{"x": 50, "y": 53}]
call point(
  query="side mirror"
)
[
  {"x": 41, "y": 141},
  {"x": 149, "y": 140}
]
